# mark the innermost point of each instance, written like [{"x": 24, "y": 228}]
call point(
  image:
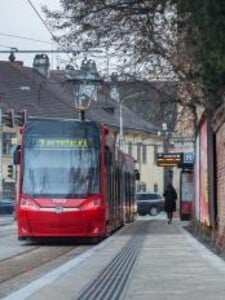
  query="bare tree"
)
[{"x": 141, "y": 32}]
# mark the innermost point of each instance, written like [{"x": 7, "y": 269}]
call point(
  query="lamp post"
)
[
  {"x": 167, "y": 171},
  {"x": 1, "y": 160},
  {"x": 121, "y": 135},
  {"x": 86, "y": 82},
  {"x": 116, "y": 96}
]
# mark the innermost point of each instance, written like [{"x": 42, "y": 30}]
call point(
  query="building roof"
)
[{"x": 25, "y": 88}]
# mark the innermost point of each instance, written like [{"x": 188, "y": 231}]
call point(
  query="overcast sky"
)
[{"x": 18, "y": 18}]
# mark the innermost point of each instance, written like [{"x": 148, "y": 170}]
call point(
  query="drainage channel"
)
[{"x": 111, "y": 282}]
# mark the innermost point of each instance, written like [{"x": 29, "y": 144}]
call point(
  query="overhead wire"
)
[
  {"x": 44, "y": 23},
  {"x": 46, "y": 26},
  {"x": 24, "y": 38},
  {"x": 42, "y": 20},
  {"x": 4, "y": 46}
]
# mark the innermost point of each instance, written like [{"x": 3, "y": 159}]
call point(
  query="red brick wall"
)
[{"x": 220, "y": 151}]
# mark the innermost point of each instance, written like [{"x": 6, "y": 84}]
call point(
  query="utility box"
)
[{"x": 186, "y": 194}]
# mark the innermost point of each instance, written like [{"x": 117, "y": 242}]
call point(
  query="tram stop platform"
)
[{"x": 146, "y": 260}]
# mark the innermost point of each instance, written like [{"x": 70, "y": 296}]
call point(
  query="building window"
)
[
  {"x": 156, "y": 187},
  {"x": 144, "y": 154},
  {"x": 8, "y": 142},
  {"x": 139, "y": 152},
  {"x": 9, "y": 190},
  {"x": 130, "y": 148},
  {"x": 156, "y": 150},
  {"x": 141, "y": 187}
]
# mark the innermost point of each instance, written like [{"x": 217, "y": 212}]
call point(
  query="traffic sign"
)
[{"x": 188, "y": 157}]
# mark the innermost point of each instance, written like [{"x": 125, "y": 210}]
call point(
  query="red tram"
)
[{"x": 73, "y": 181}]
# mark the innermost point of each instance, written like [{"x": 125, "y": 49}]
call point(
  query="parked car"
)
[
  {"x": 6, "y": 206},
  {"x": 149, "y": 203}
]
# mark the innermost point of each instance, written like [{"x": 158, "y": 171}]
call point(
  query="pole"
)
[
  {"x": 121, "y": 136},
  {"x": 1, "y": 160},
  {"x": 121, "y": 127},
  {"x": 165, "y": 150},
  {"x": 167, "y": 171}
]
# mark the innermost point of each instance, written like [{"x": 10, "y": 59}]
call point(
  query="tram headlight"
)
[
  {"x": 28, "y": 204},
  {"x": 92, "y": 204}
]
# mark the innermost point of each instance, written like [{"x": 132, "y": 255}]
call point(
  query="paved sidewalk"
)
[
  {"x": 174, "y": 266},
  {"x": 171, "y": 265},
  {"x": 6, "y": 220}
]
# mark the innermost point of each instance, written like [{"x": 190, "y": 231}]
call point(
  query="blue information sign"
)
[{"x": 188, "y": 158}]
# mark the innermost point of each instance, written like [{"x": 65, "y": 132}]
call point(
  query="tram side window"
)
[
  {"x": 108, "y": 156},
  {"x": 110, "y": 184},
  {"x": 117, "y": 184},
  {"x": 110, "y": 179},
  {"x": 122, "y": 185}
]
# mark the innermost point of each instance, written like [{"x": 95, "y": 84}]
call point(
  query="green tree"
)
[{"x": 201, "y": 30}]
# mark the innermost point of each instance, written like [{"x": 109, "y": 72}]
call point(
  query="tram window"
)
[{"x": 108, "y": 156}]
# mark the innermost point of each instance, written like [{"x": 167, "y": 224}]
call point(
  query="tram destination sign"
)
[{"x": 62, "y": 143}]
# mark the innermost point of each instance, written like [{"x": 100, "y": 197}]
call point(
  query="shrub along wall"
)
[{"x": 218, "y": 123}]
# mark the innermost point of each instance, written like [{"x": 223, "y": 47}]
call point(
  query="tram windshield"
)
[{"x": 63, "y": 165}]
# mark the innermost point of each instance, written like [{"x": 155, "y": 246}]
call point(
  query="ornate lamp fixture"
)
[{"x": 86, "y": 82}]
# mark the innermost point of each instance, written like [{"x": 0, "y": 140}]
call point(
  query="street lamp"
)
[
  {"x": 121, "y": 135},
  {"x": 167, "y": 171},
  {"x": 87, "y": 81},
  {"x": 114, "y": 93}
]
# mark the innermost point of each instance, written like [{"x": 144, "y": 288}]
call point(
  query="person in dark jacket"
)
[{"x": 170, "y": 196}]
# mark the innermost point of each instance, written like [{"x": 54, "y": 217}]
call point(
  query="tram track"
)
[
  {"x": 29, "y": 260},
  {"x": 49, "y": 257}
]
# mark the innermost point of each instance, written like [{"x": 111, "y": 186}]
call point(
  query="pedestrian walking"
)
[{"x": 170, "y": 196}]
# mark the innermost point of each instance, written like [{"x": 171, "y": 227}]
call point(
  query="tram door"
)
[{"x": 186, "y": 194}]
